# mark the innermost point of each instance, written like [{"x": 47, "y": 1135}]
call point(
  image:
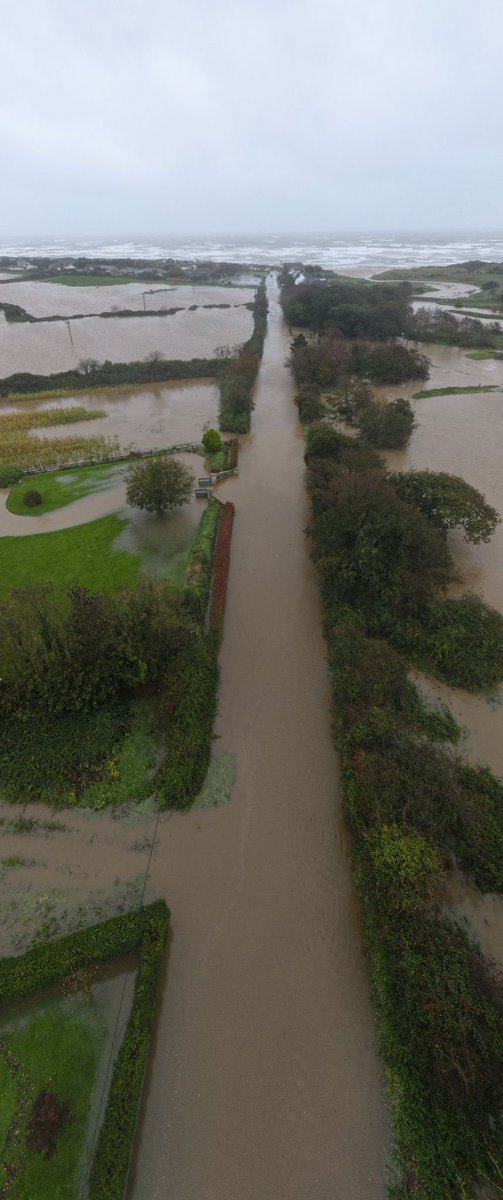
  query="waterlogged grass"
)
[
  {"x": 457, "y": 391},
  {"x": 479, "y": 355},
  {"x": 128, "y": 775},
  {"x": 18, "y": 446},
  {"x": 217, "y": 786},
  {"x": 57, "y": 1050},
  {"x": 59, "y": 488},
  {"x": 85, "y": 555}
]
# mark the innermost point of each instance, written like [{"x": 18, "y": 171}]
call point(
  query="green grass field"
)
[
  {"x": 456, "y": 391},
  {"x": 58, "y": 1050},
  {"x": 59, "y": 488},
  {"x": 84, "y": 555}
]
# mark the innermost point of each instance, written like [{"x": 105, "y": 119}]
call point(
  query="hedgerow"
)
[
  {"x": 190, "y": 708},
  {"x": 237, "y": 375},
  {"x": 113, "y": 1148},
  {"x": 199, "y": 566},
  {"x": 415, "y": 810}
]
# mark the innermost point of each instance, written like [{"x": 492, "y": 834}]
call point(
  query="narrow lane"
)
[{"x": 265, "y": 1082}]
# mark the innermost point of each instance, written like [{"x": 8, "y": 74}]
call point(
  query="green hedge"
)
[
  {"x": 52, "y": 961},
  {"x": 110, "y": 1165},
  {"x": 199, "y": 566},
  {"x": 191, "y": 714}
]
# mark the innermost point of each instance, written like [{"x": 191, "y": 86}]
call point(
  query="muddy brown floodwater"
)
[{"x": 264, "y": 1081}]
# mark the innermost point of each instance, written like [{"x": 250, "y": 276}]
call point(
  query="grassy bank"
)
[
  {"x": 456, "y": 391},
  {"x": 60, "y": 488}
]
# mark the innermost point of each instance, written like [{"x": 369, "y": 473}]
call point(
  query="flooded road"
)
[{"x": 265, "y": 1081}]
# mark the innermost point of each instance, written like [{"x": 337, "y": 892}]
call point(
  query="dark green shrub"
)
[
  {"x": 448, "y": 502},
  {"x": 32, "y": 498},
  {"x": 112, "y": 1153},
  {"x": 387, "y": 426},
  {"x": 211, "y": 441},
  {"x": 461, "y": 641},
  {"x": 189, "y": 715},
  {"x": 9, "y": 476}
]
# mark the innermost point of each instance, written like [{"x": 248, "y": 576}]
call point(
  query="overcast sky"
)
[{"x": 250, "y": 116}]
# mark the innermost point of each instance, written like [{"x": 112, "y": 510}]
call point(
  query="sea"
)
[{"x": 353, "y": 254}]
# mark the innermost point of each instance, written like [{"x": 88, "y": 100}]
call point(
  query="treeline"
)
[
  {"x": 371, "y": 311},
  {"x": 440, "y": 325},
  {"x": 377, "y": 312},
  {"x": 332, "y": 362},
  {"x": 153, "y": 369},
  {"x": 237, "y": 375},
  {"x": 414, "y": 808}
]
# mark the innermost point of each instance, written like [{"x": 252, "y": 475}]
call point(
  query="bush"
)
[
  {"x": 190, "y": 710},
  {"x": 392, "y": 363},
  {"x": 448, "y": 502},
  {"x": 9, "y": 476},
  {"x": 32, "y": 498},
  {"x": 212, "y": 441},
  {"x": 387, "y": 426}
]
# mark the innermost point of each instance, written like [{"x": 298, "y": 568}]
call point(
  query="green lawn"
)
[
  {"x": 59, "y": 488},
  {"x": 83, "y": 555},
  {"x": 58, "y": 1050},
  {"x": 456, "y": 391}
]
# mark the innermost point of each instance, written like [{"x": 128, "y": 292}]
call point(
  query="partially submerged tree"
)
[
  {"x": 448, "y": 502},
  {"x": 157, "y": 484}
]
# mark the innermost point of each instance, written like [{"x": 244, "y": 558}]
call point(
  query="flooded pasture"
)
[
  {"x": 140, "y": 418},
  {"x": 60, "y": 345},
  {"x": 45, "y": 299}
]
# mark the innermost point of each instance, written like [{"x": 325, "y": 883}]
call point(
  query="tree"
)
[
  {"x": 157, "y": 484},
  {"x": 448, "y": 502},
  {"x": 387, "y": 426},
  {"x": 212, "y": 441}
]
